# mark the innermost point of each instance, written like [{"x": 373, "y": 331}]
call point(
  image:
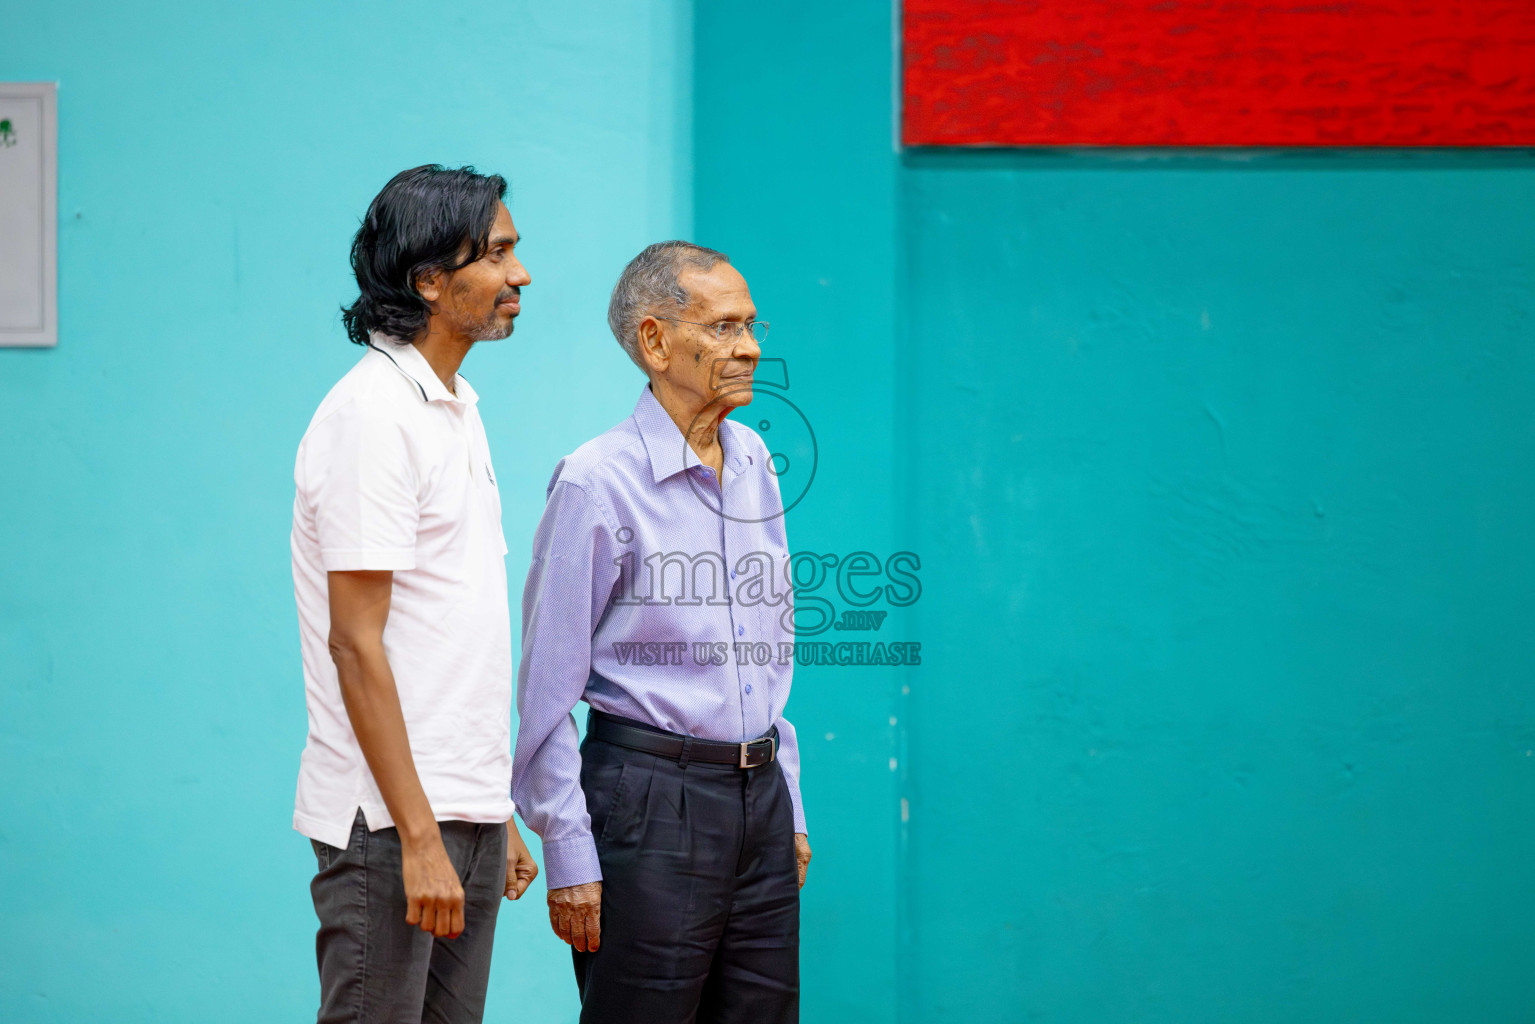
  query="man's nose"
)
[
  {"x": 747, "y": 347},
  {"x": 517, "y": 274}
]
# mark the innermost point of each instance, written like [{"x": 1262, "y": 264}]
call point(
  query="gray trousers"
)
[{"x": 377, "y": 969}]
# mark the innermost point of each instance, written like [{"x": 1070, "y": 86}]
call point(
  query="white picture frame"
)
[{"x": 29, "y": 215}]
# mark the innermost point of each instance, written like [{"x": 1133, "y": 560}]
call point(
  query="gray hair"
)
[{"x": 652, "y": 284}]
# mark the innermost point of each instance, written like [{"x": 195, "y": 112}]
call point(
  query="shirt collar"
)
[
  {"x": 408, "y": 359},
  {"x": 669, "y": 452}
]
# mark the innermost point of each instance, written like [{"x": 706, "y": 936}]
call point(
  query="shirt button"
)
[
  {"x": 740, "y": 631},
  {"x": 748, "y": 687},
  {"x": 732, "y": 574}
]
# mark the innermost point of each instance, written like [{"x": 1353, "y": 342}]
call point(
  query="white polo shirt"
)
[{"x": 394, "y": 473}]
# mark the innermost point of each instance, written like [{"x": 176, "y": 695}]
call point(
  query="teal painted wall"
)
[
  {"x": 1225, "y": 713},
  {"x": 213, "y": 163}
]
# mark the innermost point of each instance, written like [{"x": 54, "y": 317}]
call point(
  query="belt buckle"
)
[{"x": 745, "y": 759}]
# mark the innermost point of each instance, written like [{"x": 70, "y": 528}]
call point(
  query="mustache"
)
[{"x": 508, "y": 294}]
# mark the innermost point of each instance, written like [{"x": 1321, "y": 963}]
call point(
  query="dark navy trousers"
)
[{"x": 700, "y": 892}]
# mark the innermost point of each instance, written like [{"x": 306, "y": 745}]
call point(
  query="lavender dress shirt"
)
[{"x": 648, "y": 599}]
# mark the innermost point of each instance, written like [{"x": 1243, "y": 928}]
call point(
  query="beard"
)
[
  {"x": 490, "y": 326},
  {"x": 487, "y": 328}
]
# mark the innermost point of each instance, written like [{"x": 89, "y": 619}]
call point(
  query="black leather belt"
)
[{"x": 682, "y": 749}]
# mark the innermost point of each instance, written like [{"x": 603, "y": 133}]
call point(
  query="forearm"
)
[
  {"x": 548, "y": 795},
  {"x": 373, "y": 705}
]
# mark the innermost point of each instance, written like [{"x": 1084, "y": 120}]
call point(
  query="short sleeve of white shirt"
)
[{"x": 365, "y": 489}]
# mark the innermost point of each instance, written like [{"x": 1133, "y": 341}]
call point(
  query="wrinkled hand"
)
[
  {"x": 802, "y": 855},
  {"x": 575, "y": 913},
  {"x": 520, "y": 869},
  {"x": 434, "y": 897}
]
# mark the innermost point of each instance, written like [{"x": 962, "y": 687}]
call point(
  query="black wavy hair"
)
[{"x": 422, "y": 220}]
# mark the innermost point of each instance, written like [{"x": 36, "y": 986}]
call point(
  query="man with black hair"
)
[{"x": 399, "y": 573}]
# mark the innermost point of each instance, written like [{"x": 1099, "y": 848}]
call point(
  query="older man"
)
[{"x": 674, "y": 839}]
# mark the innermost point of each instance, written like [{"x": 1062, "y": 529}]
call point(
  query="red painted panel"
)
[{"x": 1219, "y": 73}]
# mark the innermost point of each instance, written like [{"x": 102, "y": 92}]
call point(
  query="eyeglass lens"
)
[{"x": 732, "y": 329}]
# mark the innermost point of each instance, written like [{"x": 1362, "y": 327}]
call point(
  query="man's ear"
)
[
  {"x": 429, "y": 284},
  {"x": 655, "y": 346}
]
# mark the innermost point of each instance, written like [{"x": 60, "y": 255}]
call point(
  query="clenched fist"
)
[
  {"x": 520, "y": 868},
  {"x": 575, "y": 914}
]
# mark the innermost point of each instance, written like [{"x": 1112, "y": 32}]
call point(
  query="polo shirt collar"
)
[
  {"x": 408, "y": 359},
  {"x": 668, "y": 450}
]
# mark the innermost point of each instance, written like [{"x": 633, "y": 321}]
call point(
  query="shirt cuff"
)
[{"x": 571, "y": 861}]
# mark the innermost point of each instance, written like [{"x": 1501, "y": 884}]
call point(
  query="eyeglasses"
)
[{"x": 730, "y": 330}]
